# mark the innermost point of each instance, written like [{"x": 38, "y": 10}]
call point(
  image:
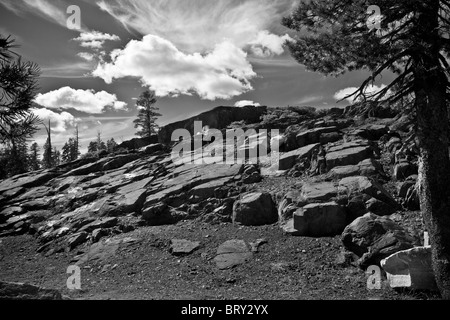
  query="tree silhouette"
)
[{"x": 18, "y": 87}]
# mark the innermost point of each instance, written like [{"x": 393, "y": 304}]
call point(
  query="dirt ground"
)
[{"x": 284, "y": 268}]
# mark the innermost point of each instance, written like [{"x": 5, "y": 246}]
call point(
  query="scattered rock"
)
[
  {"x": 255, "y": 209},
  {"x": 232, "y": 253},
  {"x": 183, "y": 247},
  {"x": 410, "y": 269},
  {"x": 255, "y": 245}
]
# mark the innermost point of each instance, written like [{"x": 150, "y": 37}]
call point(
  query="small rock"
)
[
  {"x": 183, "y": 247},
  {"x": 232, "y": 253}
]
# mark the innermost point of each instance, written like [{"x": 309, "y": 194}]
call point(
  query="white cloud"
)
[
  {"x": 87, "y": 101},
  {"x": 222, "y": 73},
  {"x": 371, "y": 89},
  {"x": 60, "y": 122},
  {"x": 198, "y": 26},
  {"x": 267, "y": 44},
  {"x": 95, "y": 39},
  {"x": 244, "y": 103},
  {"x": 86, "y": 56}
]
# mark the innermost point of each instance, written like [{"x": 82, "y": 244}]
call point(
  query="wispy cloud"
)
[
  {"x": 95, "y": 39},
  {"x": 198, "y": 26},
  {"x": 54, "y": 11}
]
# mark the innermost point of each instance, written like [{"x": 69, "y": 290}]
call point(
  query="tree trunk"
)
[
  {"x": 434, "y": 171},
  {"x": 430, "y": 87}
]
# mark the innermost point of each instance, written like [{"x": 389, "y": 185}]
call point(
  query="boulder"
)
[
  {"x": 232, "y": 253},
  {"x": 404, "y": 169},
  {"x": 367, "y": 167},
  {"x": 405, "y": 186},
  {"x": 289, "y": 159},
  {"x": 77, "y": 239},
  {"x": 330, "y": 137},
  {"x": 346, "y": 154},
  {"x": 313, "y": 136},
  {"x": 410, "y": 269},
  {"x": 254, "y": 209},
  {"x": 322, "y": 191},
  {"x": 158, "y": 214},
  {"x": 319, "y": 220},
  {"x": 380, "y": 208},
  {"x": 373, "y": 238},
  {"x": 371, "y": 131},
  {"x": 100, "y": 224},
  {"x": 23, "y": 291},
  {"x": 361, "y": 184}
]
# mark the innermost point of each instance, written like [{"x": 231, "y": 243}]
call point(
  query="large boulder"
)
[
  {"x": 410, "y": 269},
  {"x": 373, "y": 238},
  {"x": 319, "y": 220},
  {"x": 255, "y": 209}
]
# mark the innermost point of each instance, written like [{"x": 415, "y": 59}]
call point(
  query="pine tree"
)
[
  {"x": 48, "y": 161},
  {"x": 18, "y": 87},
  {"x": 148, "y": 113},
  {"x": 111, "y": 145},
  {"x": 56, "y": 156},
  {"x": 336, "y": 36},
  {"x": 34, "y": 164}
]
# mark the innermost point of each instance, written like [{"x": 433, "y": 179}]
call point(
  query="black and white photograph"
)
[{"x": 224, "y": 155}]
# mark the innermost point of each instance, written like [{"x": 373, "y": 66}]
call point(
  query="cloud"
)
[
  {"x": 86, "y": 56},
  {"x": 267, "y": 44},
  {"x": 244, "y": 103},
  {"x": 371, "y": 89},
  {"x": 198, "y": 26},
  {"x": 221, "y": 73},
  {"x": 95, "y": 39},
  {"x": 60, "y": 122},
  {"x": 87, "y": 101}
]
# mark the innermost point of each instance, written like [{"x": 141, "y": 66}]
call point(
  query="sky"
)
[{"x": 97, "y": 57}]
